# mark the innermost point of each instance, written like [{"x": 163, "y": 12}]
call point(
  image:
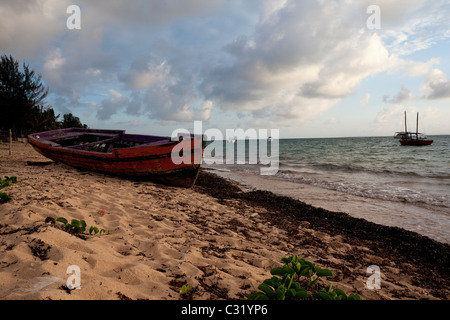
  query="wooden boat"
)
[
  {"x": 413, "y": 138},
  {"x": 114, "y": 152}
]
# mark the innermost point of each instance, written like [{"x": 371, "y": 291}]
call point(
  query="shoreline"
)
[
  {"x": 422, "y": 219},
  {"x": 408, "y": 244},
  {"x": 218, "y": 237}
]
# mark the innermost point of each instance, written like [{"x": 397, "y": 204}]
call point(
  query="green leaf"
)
[
  {"x": 93, "y": 229},
  {"x": 322, "y": 295},
  {"x": 185, "y": 289},
  {"x": 11, "y": 179},
  {"x": 277, "y": 271},
  {"x": 312, "y": 282},
  {"x": 301, "y": 293},
  {"x": 341, "y": 293},
  {"x": 280, "y": 293},
  {"x": 323, "y": 272},
  {"x": 305, "y": 272},
  {"x": 273, "y": 282},
  {"x": 290, "y": 293},
  {"x": 4, "y": 197},
  {"x": 258, "y": 296},
  {"x": 61, "y": 219},
  {"x": 288, "y": 270},
  {"x": 295, "y": 285},
  {"x": 286, "y": 260},
  {"x": 266, "y": 289},
  {"x": 286, "y": 280},
  {"x": 353, "y": 296},
  {"x": 6, "y": 183}
]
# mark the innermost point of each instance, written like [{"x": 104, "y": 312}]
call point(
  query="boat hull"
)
[
  {"x": 416, "y": 142},
  {"x": 152, "y": 159}
]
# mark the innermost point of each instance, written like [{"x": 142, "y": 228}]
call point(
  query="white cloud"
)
[
  {"x": 29, "y": 26},
  {"x": 436, "y": 86},
  {"x": 301, "y": 60},
  {"x": 145, "y": 73}
]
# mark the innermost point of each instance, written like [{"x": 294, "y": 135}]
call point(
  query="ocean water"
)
[{"x": 373, "y": 178}]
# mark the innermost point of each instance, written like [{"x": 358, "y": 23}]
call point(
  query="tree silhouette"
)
[
  {"x": 22, "y": 101},
  {"x": 70, "y": 121}
]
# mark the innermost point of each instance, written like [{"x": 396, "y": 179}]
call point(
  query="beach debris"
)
[
  {"x": 39, "y": 249},
  {"x": 122, "y": 296},
  {"x": 101, "y": 212},
  {"x": 39, "y": 163}
]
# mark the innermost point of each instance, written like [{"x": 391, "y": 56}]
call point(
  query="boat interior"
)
[{"x": 103, "y": 142}]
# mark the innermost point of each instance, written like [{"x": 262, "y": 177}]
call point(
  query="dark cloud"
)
[
  {"x": 111, "y": 106},
  {"x": 403, "y": 95}
]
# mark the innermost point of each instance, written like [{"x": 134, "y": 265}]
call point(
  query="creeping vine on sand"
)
[
  {"x": 79, "y": 226},
  {"x": 287, "y": 280}
]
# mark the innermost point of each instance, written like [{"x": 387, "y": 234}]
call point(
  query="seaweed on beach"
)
[{"x": 430, "y": 258}]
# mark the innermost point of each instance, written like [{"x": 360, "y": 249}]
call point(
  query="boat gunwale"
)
[
  {"x": 76, "y": 150},
  {"x": 115, "y": 155}
]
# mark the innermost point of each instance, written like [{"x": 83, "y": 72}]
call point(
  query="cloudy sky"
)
[{"x": 309, "y": 68}]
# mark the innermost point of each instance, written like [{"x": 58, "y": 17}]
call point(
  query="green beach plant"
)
[
  {"x": 95, "y": 230},
  {"x": 186, "y": 292},
  {"x": 185, "y": 289},
  {"x": 287, "y": 281},
  {"x": 4, "y": 197},
  {"x": 79, "y": 226},
  {"x": 335, "y": 294},
  {"x": 6, "y": 183}
]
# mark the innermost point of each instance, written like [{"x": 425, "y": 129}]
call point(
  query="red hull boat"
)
[
  {"x": 114, "y": 152},
  {"x": 415, "y": 142}
]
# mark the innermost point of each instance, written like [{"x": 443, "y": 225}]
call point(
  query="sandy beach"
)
[{"x": 218, "y": 237}]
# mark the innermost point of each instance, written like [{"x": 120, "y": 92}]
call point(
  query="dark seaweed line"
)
[{"x": 392, "y": 242}]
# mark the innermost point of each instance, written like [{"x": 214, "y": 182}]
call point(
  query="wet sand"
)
[{"x": 218, "y": 237}]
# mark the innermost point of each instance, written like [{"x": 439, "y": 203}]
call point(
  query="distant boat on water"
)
[{"x": 412, "y": 138}]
